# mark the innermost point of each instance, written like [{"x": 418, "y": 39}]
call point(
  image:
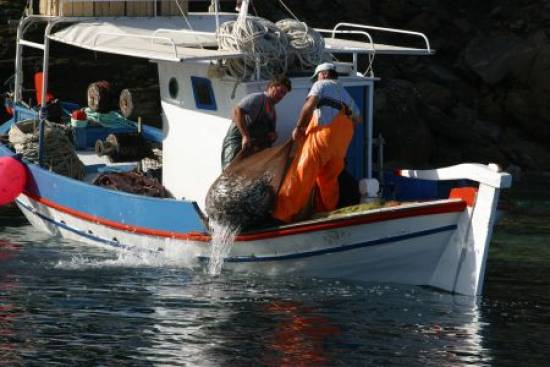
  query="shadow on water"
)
[
  {"x": 516, "y": 303},
  {"x": 11, "y": 216}
]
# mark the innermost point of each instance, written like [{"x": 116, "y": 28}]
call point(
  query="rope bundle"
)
[
  {"x": 260, "y": 40},
  {"x": 307, "y": 46},
  {"x": 288, "y": 44}
]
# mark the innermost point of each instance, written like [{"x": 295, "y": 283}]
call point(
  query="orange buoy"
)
[{"x": 13, "y": 177}]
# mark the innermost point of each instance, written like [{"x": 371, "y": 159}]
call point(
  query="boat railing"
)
[
  {"x": 354, "y": 54},
  {"x": 386, "y": 30},
  {"x": 334, "y": 32},
  {"x": 336, "y": 43}
]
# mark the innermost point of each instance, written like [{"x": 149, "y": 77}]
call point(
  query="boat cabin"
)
[{"x": 198, "y": 86}]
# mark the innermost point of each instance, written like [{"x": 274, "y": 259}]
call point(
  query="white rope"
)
[
  {"x": 307, "y": 46},
  {"x": 261, "y": 41},
  {"x": 370, "y": 67},
  {"x": 184, "y": 15}
]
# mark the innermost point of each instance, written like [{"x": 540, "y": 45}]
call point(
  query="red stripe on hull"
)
[{"x": 439, "y": 208}]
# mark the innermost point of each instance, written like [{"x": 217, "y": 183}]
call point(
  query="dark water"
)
[{"x": 64, "y": 303}]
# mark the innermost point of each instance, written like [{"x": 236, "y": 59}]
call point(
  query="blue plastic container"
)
[{"x": 85, "y": 137}]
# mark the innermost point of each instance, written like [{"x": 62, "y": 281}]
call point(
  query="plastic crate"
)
[{"x": 85, "y": 137}]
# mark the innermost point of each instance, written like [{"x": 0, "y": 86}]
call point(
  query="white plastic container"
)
[
  {"x": 369, "y": 189},
  {"x": 79, "y": 123}
]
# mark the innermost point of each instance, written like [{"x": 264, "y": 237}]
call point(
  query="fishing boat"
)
[{"x": 437, "y": 232}]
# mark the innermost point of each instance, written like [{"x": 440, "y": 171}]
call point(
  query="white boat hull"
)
[{"x": 403, "y": 250}]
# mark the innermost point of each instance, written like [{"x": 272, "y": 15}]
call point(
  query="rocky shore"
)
[{"x": 482, "y": 97}]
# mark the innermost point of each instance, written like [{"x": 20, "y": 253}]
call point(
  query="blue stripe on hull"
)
[
  {"x": 74, "y": 230},
  {"x": 250, "y": 259},
  {"x": 333, "y": 250}
]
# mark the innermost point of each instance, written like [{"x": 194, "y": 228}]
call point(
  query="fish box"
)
[{"x": 113, "y": 8}]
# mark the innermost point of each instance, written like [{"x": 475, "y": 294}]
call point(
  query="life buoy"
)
[{"x": 13, "y": 177}]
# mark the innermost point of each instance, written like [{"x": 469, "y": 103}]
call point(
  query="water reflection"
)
[
  {"x": 67, "y": 303},
  {"x": 236, "y": 321},
  {"x": 8, "y": 311},
  {"x": 299, "y": 337}
]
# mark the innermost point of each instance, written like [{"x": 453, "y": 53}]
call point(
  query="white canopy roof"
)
[
  {"x": 183, "y": 39},
  {"x": 156, "y": 38}
]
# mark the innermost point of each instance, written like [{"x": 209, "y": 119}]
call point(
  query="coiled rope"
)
[
  {"x": 262, "y": 42},
  {"x": 306, "y": 46}
]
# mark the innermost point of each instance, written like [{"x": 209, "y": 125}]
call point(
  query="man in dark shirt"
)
[{"x": 254, "y": 121}]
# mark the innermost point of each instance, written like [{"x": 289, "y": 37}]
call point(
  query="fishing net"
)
[
  {"x": 133, "y": 182},
  {"x": 244, "y": 194},
  {"x": 59, "y": 153}
]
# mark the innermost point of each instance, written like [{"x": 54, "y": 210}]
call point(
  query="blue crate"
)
[{"x": 85, "y": 137}]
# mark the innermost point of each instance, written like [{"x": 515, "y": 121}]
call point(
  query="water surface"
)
[{"x": 65, "y": 303}]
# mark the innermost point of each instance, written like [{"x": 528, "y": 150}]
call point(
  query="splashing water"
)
[
  {"x": 171, "y": 256},
  {"x": 223, "y": 237}
]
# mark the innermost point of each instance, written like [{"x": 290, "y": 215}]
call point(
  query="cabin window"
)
[
  {"x": 204, "y": 94},
  {"x": 173, "y": 88}
]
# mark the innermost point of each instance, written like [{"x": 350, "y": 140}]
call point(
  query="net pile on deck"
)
[
  {"x": 59, "y": 153},
  {"x": 243, "y": 195},
  {"x": 133, "y": 182}
]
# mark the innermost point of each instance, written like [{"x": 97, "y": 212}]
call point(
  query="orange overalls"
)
[{"x": 318, "y": 162}]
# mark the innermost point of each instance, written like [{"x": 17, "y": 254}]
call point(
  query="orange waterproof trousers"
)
[{"x": 318, "y": 162}]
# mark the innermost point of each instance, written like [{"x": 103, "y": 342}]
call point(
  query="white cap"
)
[{"x": 323, "y": 67}]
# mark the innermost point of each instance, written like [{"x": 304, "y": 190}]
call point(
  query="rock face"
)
[{"x": 482, "y": 97}]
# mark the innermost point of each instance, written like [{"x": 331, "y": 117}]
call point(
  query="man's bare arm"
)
[
  {"x": 240, "y": 122},
  {"x": 305, "y": 117},
  {"x": 307, "y": 111}
]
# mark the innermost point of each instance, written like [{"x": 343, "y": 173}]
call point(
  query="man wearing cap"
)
[
  {"x": 323, "y": 132},
  {"x": 254, "y": 120}
]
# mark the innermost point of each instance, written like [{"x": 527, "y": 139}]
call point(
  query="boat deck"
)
[{"x": 95, "y": 165}]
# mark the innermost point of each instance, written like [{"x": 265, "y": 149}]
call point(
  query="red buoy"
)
[{"x": 13, "y": 177}]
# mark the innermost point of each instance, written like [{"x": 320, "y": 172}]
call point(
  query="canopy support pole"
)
[{"x": 45, "y": 73}]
